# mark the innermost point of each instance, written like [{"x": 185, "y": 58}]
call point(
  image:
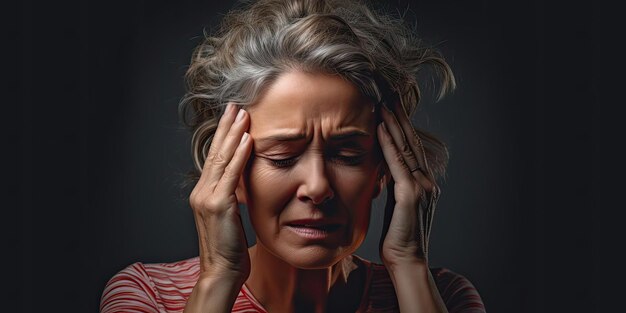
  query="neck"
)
[{"x": 280, "y": 287}]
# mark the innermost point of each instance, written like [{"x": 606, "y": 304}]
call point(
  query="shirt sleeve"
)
[
  {"x": 130, "y": 290},
  {"x": 458, "y": 293}
]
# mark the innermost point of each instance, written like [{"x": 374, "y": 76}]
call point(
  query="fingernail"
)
[
  {"x": 384, "y": 127},
  {"x": 239, "y": 115},
  {"x": 229, "y": 107},
  {"x": 244, "y": 138}
]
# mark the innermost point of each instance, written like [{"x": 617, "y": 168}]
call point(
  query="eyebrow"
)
[
  {"x": 296, "y": 137},
  {"x": 350, "y": 134}
]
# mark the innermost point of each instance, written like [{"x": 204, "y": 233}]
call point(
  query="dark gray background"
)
[{"x": 100, "y": 152}]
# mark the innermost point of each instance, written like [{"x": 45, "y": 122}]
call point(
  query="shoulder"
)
[
  {"x": 151, "y": 287},
  {"x": 458, "y": 293}
]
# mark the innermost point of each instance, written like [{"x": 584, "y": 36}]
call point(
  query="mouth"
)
[
  {"x": 325, "y": 227},
  {"x": 314, "y": 229}
]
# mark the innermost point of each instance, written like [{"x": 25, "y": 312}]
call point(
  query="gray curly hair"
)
[{"x": 258, "y": 41}]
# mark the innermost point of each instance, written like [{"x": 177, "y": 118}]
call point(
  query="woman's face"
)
[{"x": 314, "y": 168}]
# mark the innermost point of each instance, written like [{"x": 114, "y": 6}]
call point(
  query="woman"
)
[{"x": 300, "y": 111}]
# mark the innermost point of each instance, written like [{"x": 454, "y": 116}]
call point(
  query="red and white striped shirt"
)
[{"x": 165, "y": 288}]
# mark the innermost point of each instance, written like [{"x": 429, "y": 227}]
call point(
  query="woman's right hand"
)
[{"x": 223, "y": 247}]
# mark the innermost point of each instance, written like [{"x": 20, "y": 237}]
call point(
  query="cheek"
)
[
  {"x": 268, "y": 189},
  {"x": 353, "y": 185},
  {"x": 356, "y": 182},
  {"x": 271, "y": 189},
  {"x": 356, "y": 189}
]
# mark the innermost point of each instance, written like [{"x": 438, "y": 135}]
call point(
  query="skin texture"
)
[
  {"x": 309, "y": 149},
  {"x": 330, "y": 171},
  {"x": 323, "y": 175}
]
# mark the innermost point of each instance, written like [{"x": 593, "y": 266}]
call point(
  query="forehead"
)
[{"x": 301, "y": 102}]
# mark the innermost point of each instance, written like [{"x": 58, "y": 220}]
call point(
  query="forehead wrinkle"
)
[
  {"x": 294, "y": 104},
  {"x": 326, "y": 125}
]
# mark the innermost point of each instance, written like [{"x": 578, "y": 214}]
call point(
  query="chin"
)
[
  {"x": 315, "y": 257},
  {"x": 311, "y": 255}
]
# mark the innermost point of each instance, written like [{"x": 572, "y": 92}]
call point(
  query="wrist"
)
[
  {"x": 224, "y": 273},
  {"x": 415, "y": 266},
  {"x": 403, "y": 255},
  {"x": 226, "y": 279}
]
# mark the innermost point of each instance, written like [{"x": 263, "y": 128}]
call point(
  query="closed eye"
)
[
  {"x": 283, "y": 163},
  {"x": 349, "y": 160}
]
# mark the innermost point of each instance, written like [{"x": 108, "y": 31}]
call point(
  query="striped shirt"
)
[{"x": 165, "y": 288}]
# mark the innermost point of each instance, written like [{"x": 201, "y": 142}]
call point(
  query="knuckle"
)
[
  {"x": 415, "y": 142},
  {"x": 213, "y": 205},
  {"x": 435, "y": 190},
  {"x": 400, "y": 158},
  {"x": 206, "y": 205},
  {"x": 429, "y": 186},
  {"x": 195, "y": 202},
  {"x": 211, "y": 154},
  {"x": 218, "y": 159},
  {"x": 415, "y": 136},
  {"x": 406, "y": 149},
  {"x": 230, "y": 172}
]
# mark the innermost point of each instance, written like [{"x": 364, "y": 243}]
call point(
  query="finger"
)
[
  {"x": 399, "y": 139},
  {"x": 430, "y": 212},
  {"x": 222, "y": 129},
  {"x": 227, "y": 148},
  {"x": 432, "y": 204},
  {"x": 394, "y": 158},
  {"x": 423, "y": 175},
  {"x": 415, "y": 142},
  {"x": 232, "y": 172}
]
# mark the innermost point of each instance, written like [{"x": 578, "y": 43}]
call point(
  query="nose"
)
[{"x": 315, "y": 186}]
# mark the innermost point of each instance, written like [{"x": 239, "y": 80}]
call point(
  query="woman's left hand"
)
[{"x": 412, "y": 192}]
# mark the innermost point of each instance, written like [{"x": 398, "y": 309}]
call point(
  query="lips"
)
[
  {"x": 310, "y": 230},
  {"x": 324, "y": 225},
  {"x": 328, "y": 228}
]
